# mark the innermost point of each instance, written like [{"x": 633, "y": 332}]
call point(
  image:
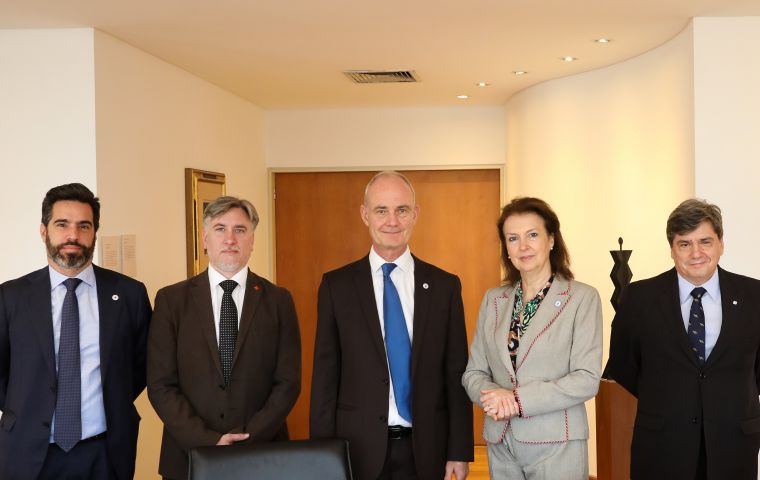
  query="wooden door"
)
[{"x": 318, "y": 228}]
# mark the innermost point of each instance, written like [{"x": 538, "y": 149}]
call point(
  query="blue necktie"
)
[
  {"x": 228, "y": 329},
  {"x": 68, "y": 401},
  {"x": 697, "y": 324},
  {"x": 397, "y": 345}
]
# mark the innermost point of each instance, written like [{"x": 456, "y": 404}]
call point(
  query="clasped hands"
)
[{"x": 499, "y": 403}]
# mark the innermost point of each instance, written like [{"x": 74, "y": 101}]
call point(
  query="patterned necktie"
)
[
  {"x": 697, "y": 324},
  {"x": 397, "y": 344},
  {"x": 228, "y": 328},
  {"x": 68, "y": 401}
]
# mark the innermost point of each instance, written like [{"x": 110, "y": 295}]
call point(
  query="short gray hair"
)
[
  {"x": 690, "y": 214},
  {"x": 224, "y": 204},
  {"x": 390, "y": 173}
]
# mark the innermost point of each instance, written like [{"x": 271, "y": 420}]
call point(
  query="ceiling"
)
[{"x": 291, "y": 53}]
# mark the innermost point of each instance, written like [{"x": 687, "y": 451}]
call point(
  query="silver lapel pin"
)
[
  {"x": 114, "y": 297},
  {"x": 425, "y": 286}
]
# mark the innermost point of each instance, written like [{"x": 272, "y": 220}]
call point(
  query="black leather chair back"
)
[{"x": 293, "y": 460}]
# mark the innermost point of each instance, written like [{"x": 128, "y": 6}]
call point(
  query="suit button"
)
[
  {"x": 46, "y": 424},
  {"x": 694, "y": 420},
  {"x": 221, "y": 386},
  {"x": 221, "y": 415},
  {"x": 383, "y": 418}
]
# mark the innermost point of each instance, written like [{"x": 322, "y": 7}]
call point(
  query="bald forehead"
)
[{"x": 395, "y": 184}]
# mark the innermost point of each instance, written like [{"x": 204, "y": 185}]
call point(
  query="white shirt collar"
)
[
  {"x": 215, "y": 278},
  {"x": 87, "y": 276},
  {"x": 712, "y": 286},
  {"x": 405, "y": 262}
]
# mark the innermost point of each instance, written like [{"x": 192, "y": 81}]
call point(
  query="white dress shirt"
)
[
  {"x": 403, "y": 278},
  {"x": 238, "y": 295},
  {"x": 710, "y": 304},
  {"x": 93, "y": 410}
]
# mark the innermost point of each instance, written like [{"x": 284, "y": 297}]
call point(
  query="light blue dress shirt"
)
[
  {"x": 93, "y": 411},
  {"x": 710, "y": 304}
]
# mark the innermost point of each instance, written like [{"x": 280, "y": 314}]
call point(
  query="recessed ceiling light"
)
[
  {"x": 568, "y": 59},
  {"x": 482, "y": 84},
  {"x": 463, "y": 97},
  {"x": 602, "y": 40},
  {"x": 519, "y": 72}
]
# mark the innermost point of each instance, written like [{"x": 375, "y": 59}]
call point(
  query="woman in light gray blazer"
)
[{"x": 537, "y": 352}]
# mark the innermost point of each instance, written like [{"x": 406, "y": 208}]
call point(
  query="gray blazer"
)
[{"x": 558, "y": 362}]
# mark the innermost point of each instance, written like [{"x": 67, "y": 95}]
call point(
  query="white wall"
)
[
  {"x": 385, "y": 137},
  {"x": 153, "y": 120},
  {"x": 611, "y": 150},
  {"x": 47, "y": 131},
  {"x": 727, "y": 151}
]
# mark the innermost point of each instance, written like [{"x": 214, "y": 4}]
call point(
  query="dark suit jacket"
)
[
  {"x": 185, "y": 382},
  {"x": 350, "y": 385},
  {"x": 28, "y": 369},
  {"x": 651, "y": 357}
]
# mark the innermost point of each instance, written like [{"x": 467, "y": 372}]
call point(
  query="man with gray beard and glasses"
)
[{"x": 72, "y": 355}]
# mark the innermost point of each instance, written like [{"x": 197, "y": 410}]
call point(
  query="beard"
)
[{"x": 69, "y": 260}]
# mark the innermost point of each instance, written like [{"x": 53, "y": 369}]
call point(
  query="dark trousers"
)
[
  {"x": 399, "y": 460},
  {"x": 88, "y": 460}
]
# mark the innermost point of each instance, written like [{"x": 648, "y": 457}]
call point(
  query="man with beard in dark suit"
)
[
  {"x": 390, "y": 351},
  {"x": 72, "y": 355}
]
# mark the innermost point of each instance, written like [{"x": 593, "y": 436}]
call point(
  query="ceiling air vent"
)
[{"x": 381, "y": 76}]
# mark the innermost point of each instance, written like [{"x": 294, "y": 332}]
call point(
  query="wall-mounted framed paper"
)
[{"x": 201, "y": 188}]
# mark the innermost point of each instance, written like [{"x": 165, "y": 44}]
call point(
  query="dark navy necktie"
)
[
  {"x": 68, "y": 402},
  {"x": 397, "y": 344},
  {"x": 697, "y": 324},
  {"x": 228, "y": 328}
]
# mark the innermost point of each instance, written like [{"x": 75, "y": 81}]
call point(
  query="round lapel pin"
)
[
  {"x": 114, "y": 297},
  {"x": 425, "y": 286}
]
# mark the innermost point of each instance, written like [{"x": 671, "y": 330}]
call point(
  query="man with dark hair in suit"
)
[
  {"x": 390, "y": 351},
  {"x": 224, "y": 350},
  {"x": 72, "y": 355},
  {"x": 686, "y": 343}
]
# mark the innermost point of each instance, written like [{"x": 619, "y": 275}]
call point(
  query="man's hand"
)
[
  {"x": 230, "y": 438},
  {"x": 458, "y": 469}
]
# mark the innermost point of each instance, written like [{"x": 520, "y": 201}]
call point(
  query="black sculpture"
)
[{"x": 621, "y": 273}]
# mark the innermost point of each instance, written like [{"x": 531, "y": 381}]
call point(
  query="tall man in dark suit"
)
[
  {"x": 390, "y": 351},
  {"x": 687, "y": 344},
  {"x": 224, "y": 351},
  {"x": 72, "y": 355}
]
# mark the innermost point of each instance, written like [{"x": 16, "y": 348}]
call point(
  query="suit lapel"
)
[
  {"x": 670, "y": 309},
  {"x": 200, "y": 292},
  {"x": 424, "y": 289},
  {"x": 731, "y": 299},
  {"x": 41, "y": 313},
  {"x": 504, "y": 305},
  {"x": 109, "y": 304},
  {"x": 362, "y": 276},
  {"x": 253, "y": 293},
  {"x": 554, "y": 302}
]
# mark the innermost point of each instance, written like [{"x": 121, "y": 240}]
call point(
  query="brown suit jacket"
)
[
  {"x": 185, "y": 383},
  {"x": 350, "y": 385}
]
